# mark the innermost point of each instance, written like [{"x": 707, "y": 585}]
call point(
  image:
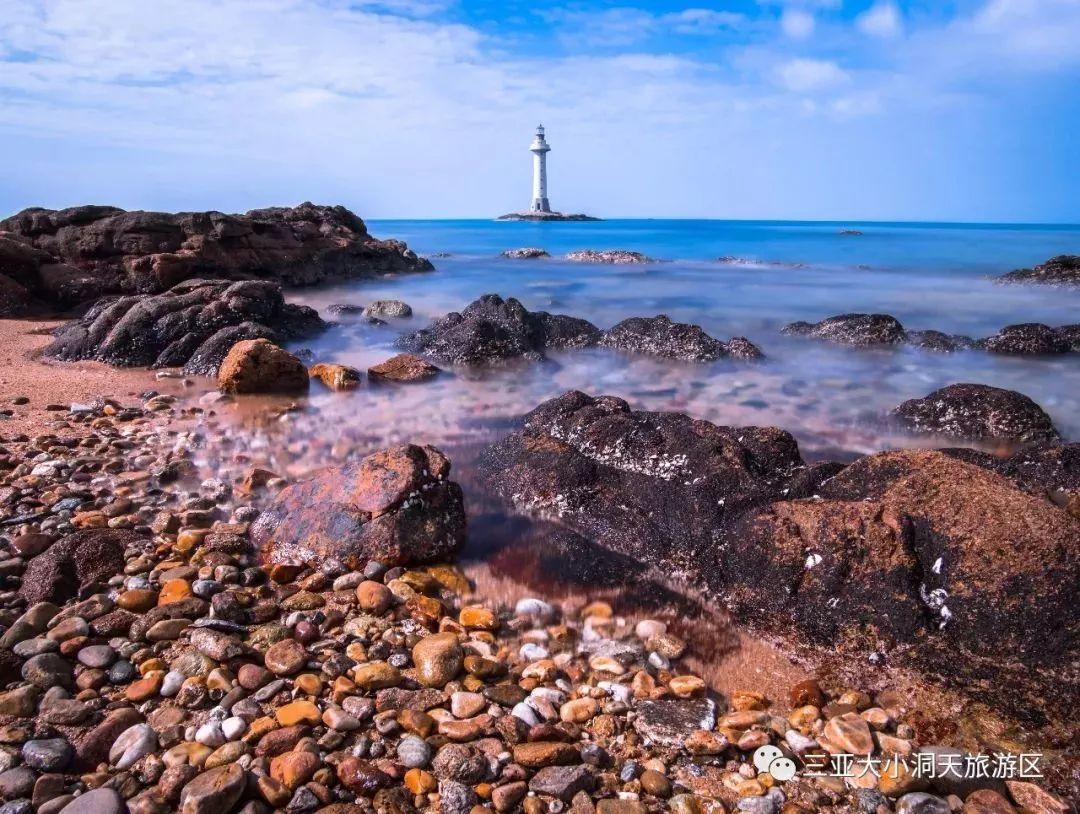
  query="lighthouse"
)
[
  {"x": 540, "y": 208},
  {"x": 539, "y": 148}
]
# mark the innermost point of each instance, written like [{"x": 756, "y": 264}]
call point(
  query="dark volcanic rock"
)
[
  {"x": 659, "y": 336},
  {"x": 1028, "y": 339},
  {"x": 193, "y": 325},
  {"x": 939, "y": 342},
  {"x": 1061, "y": 270},
  {"x": 92, "y": 251},
  {"x": 853, "y": 329},
  {"x": 654, "y": 485},
  {"x": 492, "y": 329},
  {"x": 670, "y": 721},
  {"x": 396, "y": 506},
  {"x": 901, "y": 549},
  {"x": 84, "y": 557},
  {"x": 977, "y": 412},
  {"x": 1048, "y": 470}
]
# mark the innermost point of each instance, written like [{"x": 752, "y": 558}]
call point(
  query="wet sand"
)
[{"x": 24, "y": 372}]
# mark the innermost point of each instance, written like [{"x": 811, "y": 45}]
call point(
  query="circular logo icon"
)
[
  {"x": 765, "y": 755},
  {"x": 783, "y": 769}
]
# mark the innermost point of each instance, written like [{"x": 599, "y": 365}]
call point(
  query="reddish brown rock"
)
[
  {"x": 396, "y": 506},
  {"x": 260, "y": 366},
  {"x": 336, "y": 377},
  {"x": 914, "y": 545},
  {"x": 405, "y": 367}
]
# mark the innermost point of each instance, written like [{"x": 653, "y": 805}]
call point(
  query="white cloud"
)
[
  {"x": 702, "y": 20},
  {"x": 625, "y": 25},
  {"x": 796, "y": 23},
  {"x": 811, "y": 75},
  {"x": 880, "y": 20}
]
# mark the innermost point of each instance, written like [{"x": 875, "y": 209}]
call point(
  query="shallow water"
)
[{"x": 830, "y": 397}]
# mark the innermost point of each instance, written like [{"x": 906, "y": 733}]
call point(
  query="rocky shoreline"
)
[
  {"x": 161, "y": 657},
  {"x": 185, "y": 627}
]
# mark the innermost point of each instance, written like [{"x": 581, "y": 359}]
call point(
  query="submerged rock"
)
[
  {"x": 93, "y": 251},
  {"x": 492, "y": 329},
  {"x": 193, "y": 325},
  {"x": 525, "y": 254},
  {"x": 853, "y": 329},
  {"x": 396, "y": 506},
  {"x": 1029, "y": 339},
  {"x": 612, "y": 256},
  {"x": 976, "y": 412},
  {"x": 260, "y": 366},
  {"x": 1061, "y": 270},
  {"x": 388, "y": 309},
  {"x": 659, "y": 336},
  {"x": 403, "y": 368},
  {"x": 939, "y": 341},
  {"x": 336, "y": 377}
]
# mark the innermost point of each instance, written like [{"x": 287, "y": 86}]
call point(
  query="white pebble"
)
[
  {"x": 210, "y": 734},
  {"x": 234, "y": 727},
  {"x": 525, "y": 713},
  {"x": 170, "y": 685},
  {"x": 533, "y": 652}
]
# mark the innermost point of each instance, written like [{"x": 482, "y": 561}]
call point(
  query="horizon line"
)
[{"x": 853, "y": 221}]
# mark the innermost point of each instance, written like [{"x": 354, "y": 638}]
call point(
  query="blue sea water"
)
[{"x": 832, "y": 398}]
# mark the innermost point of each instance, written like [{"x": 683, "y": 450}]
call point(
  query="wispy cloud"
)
[
  {"x": 403, "y": 103},
  {"x": 811, "y": 75},
  {"x": 880, "y": 20}
]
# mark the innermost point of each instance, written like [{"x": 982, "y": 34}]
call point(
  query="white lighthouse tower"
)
[{"x": 539, "y": 148}]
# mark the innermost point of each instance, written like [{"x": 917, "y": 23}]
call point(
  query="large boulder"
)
[
  {"x": 659, "y": 336},
  {"x": 910, "y": 546},
  {"x": 853, "y": 329},
  {"x": 976, "y": 412},
  {"x": 1061, "y": 270},
  {"x": 260, "y": 366},
  {"x": 396, "y": 506},
  {"x": 91, "y": 251},
  {"x": 82, "y": 558},
  {"x": 652, "y": 485},
  {"x": 1029, "y": 339},
  {"x": 193, "y": 325},
  {"x": 492, "y": 329}
]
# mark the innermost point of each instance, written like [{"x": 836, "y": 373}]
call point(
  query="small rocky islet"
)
[{"x": 255, "y": 642}]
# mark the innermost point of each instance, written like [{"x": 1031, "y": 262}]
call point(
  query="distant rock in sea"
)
[
  {"x": 529, "y": 253},
  {"x": 614, "y": 256},
  {"x": 545, "y": 216},
  {"x": 1061, "y": 270},
  {"x": 868, "y": 330},
  {"x": 63, "y": 258}
]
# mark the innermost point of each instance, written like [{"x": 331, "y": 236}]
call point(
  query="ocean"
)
[{"x": 832, "y": 398}]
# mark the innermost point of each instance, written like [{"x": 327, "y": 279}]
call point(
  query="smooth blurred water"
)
[{"x": 831, "y": 397}]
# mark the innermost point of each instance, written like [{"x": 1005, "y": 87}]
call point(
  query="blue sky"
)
[{"x": 801, "y": 109}]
